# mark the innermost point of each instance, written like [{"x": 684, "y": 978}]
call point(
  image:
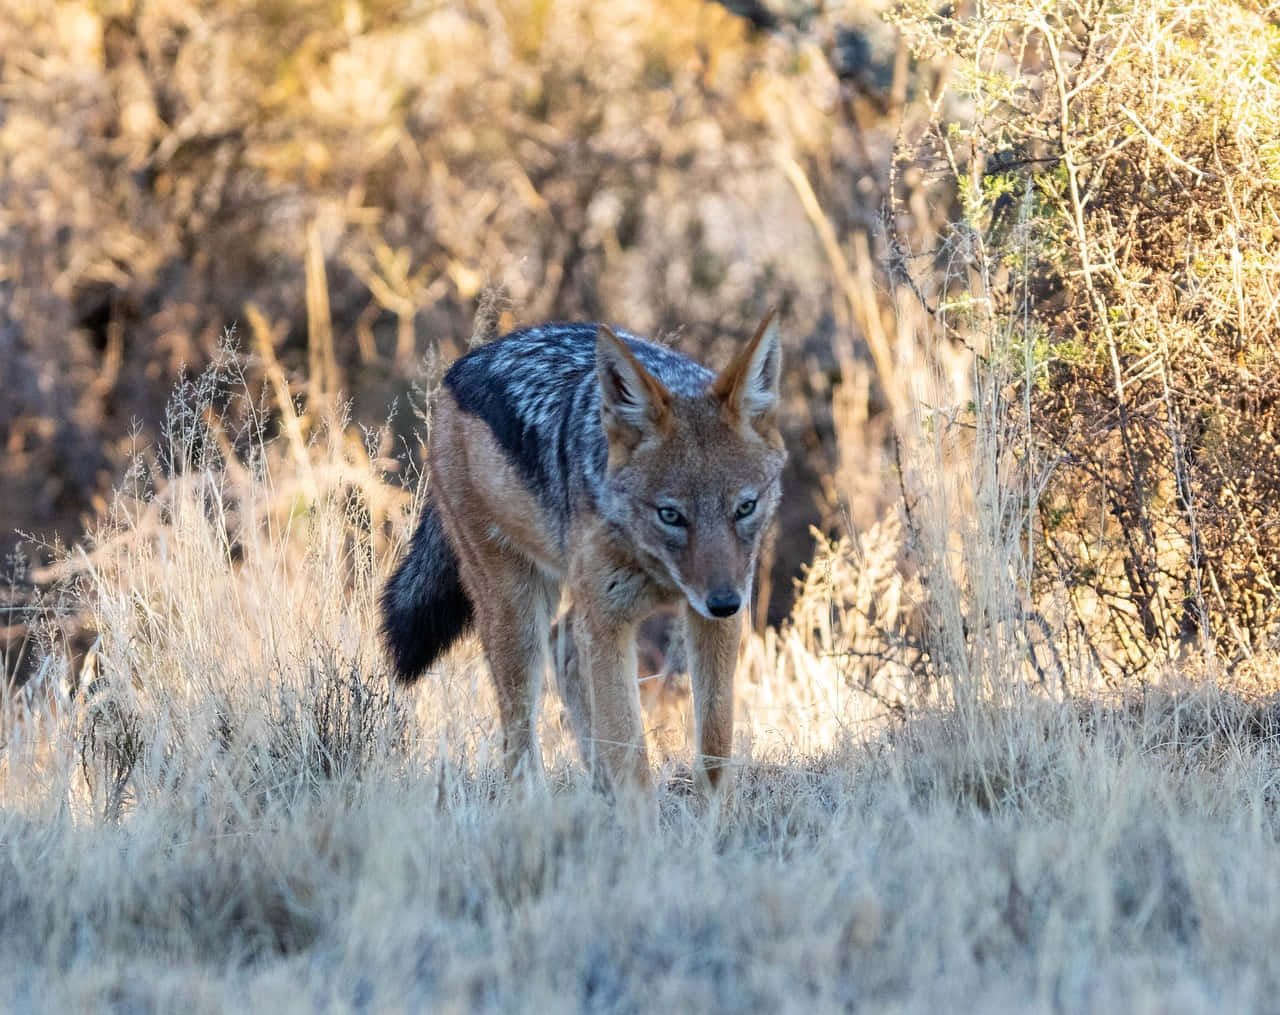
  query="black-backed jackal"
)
[{"x": 570, "y": 454}]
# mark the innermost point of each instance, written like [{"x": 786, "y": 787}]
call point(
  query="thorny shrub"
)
[{"x": 1118, "y": 176}]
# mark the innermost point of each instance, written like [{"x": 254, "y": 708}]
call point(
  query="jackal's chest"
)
[{"x": 606, "y": 568}]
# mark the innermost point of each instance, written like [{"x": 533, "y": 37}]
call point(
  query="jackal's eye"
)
[
  {"x": 746, "y": 509},
  {"x": 670, "y": 516}
]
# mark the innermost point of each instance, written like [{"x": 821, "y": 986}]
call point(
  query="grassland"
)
[
  {"x": 231, "y": 808},
  {"x": 1010, "y": 742},
  {"x": 1059, "y": 860}
]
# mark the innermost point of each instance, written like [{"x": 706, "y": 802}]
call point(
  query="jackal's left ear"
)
[
  {"x": 748, "y": 387},
  {"x": 632, "y": 400}
]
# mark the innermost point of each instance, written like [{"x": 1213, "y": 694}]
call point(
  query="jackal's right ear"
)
[{"x": 634, "y": 402}]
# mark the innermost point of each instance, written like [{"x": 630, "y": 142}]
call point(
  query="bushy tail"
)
[{"x": 425, "y": 609}]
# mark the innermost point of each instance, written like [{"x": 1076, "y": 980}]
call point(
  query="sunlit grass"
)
[{"x": 232, "y": 808}]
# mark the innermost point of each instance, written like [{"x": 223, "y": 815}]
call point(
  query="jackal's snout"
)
[{"x": 723, "y": 603}]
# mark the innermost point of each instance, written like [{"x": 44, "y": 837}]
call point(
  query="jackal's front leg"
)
[
  {"x": 712, "y": 646},
  {"x": 608, "y": 700}
]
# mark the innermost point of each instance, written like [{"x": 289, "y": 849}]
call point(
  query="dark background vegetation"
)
[{"x": 343, "y": 183}]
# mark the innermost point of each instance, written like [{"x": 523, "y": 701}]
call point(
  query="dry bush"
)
[{"x": 1118, "y": 164}]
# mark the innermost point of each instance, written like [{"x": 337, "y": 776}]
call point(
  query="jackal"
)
[{"x": 571, "y": 454}]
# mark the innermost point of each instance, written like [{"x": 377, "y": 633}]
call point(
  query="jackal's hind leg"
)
[
  {"x": 571, "y": 683},
  {"x": 513, "y": 617}
]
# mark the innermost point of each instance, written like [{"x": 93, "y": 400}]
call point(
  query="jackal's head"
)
[{"x": 694, "y": 478}]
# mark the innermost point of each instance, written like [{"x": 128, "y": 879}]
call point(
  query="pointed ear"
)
[
  {"x": 633, "y": 402},
  {"x": 748, "y": 387}
]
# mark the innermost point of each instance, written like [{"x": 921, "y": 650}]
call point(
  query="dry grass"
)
[
  {"x": 231, "y": 810},
  {"x": 1104, "y": 862}
]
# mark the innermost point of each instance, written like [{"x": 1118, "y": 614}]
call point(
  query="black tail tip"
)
[
  {"x": 425, "y": 608},
  {"x": 417, "y": 632}
]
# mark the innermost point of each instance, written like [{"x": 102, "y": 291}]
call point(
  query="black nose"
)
[{"x": 723, "y": 604}]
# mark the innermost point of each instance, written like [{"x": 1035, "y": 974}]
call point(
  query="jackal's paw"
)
[{"x": 681, "y": 782}]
